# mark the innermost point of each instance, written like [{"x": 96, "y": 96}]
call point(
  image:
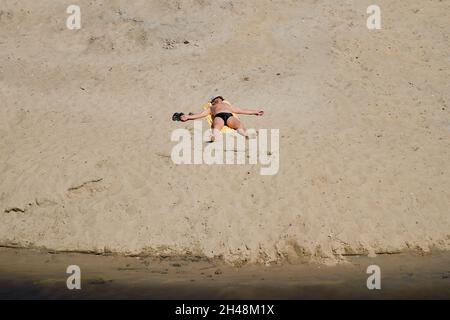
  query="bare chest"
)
[{"x": 220, "y": 107}]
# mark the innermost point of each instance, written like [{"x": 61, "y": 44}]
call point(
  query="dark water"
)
[{"x": 30, "y": 274}]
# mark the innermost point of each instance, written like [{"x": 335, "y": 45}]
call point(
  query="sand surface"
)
[{"x": 364, "y": 120}]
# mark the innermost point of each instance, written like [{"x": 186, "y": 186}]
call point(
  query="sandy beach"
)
[{"x": 363, "y": 116}]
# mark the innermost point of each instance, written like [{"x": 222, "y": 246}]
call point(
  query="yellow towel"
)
[{"x": 210, "y": 119}]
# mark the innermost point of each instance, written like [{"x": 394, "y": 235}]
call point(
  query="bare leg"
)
[
  {"x": 216, "y": 127},
  {"x": 235, "y": 123}
]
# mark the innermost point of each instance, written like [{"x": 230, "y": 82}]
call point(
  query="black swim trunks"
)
[{"x": 224, "y": 116}]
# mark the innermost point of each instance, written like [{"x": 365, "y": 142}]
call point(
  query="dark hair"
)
[{"x": 216, "y": 98}]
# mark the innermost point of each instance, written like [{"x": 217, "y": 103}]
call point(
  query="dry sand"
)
[{"x": 363, "y": 117}]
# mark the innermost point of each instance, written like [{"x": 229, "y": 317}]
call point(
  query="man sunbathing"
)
[{"x": 221, "y": 112}]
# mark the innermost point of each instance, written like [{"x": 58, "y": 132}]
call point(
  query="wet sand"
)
[{"x": 31, "y": 274}]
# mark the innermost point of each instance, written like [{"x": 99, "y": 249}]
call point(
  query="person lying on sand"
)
[{"x": 222, "y": 114}]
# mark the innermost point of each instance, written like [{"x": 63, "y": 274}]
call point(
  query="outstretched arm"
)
[
  {"x": 247, "y": 111},
  {"x": 196, "y": 116}
]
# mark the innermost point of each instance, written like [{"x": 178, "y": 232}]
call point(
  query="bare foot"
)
[{"x": 252, "y": 135}]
